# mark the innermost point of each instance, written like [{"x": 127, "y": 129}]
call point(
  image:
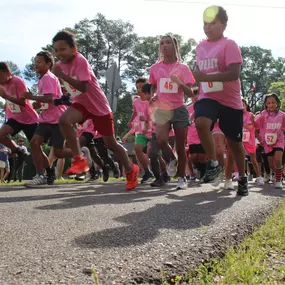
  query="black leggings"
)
[{"x": 103, "y": 152}]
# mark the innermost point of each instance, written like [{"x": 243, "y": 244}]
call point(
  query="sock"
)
[
  {"x": 278, "y": 174},
  {"x": 214, "y": 163},
  {"x": 77, "y": 157}
]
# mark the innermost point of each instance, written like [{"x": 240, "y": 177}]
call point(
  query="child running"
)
[
  {"x": 143, "y": 137},
  {"x": 249, "y": 141},
  {"x": 89, "y": 102},
  {"x": 48, "y": 129},
  {"x": 171, "y": 79},
  {"x": 271, "y": 124},
  {"x": 19, "y": 111},
  {"x": 219, "y": 61}
]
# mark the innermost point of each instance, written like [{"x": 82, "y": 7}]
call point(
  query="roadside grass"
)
[
  {"x": 65, "y": 181},
  {"x": 259, "y": 259}
]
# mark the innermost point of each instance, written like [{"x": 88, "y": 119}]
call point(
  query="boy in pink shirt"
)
[
  {"x": 48, "y": 128},
  {"x": 19, "y": 111},
  {"x": 143, "y": 136},
  {"x": 89, "y": 102},
  {"x": 219, "y": 61}
]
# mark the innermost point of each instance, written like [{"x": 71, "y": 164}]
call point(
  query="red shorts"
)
[{"x": 103, "y": 124}]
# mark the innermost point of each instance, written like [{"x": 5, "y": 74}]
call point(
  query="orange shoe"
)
[
  {"x": 132, "y": 178},
  {"x": 78, "y": 166}
]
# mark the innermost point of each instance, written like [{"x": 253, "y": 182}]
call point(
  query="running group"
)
[{"x": 172, "y": 139}]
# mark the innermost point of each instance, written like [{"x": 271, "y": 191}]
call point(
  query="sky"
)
[{"x": 28, "y": 25}]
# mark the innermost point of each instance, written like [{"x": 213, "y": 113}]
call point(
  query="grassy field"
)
[{"x": 259, "y": 259}]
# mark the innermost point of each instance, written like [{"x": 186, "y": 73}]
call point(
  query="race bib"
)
[
  {"x": 44, "y": 106},
  {"x": 168, "y": 86},
  {"x": 270, "y": 138},
  {"x": 209, "y": 87},
  {"x": 245, "y": 136},
  {"x": 70, "y": 89},
  {"x": 215, "y": 86},
  {"x": 14, "y": 108}
]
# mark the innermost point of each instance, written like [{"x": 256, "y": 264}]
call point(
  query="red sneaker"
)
[
  {"x": 132, "y": 178},
  {"x": 78, "y": 166}
]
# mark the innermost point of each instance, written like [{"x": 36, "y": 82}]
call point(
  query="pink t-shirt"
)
[
  {"x": 192, "y": 135},
  {"x": 86, "y": 127},
  {"x": 24, "y": 115},
  {"x": 170, "y": 97},
  {"x": 248, "y": 137},
  {"x": 142, "y": 109},
  {"x": 271, "y": 126},
  {"x": 49, "y": 84},
  {"x": 94, "y": 100},
  {"x": 215, "y": 57}
]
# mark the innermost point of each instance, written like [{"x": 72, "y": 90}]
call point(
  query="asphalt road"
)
[{"x": 51, "y": 235}]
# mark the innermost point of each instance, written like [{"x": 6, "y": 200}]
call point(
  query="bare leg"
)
[
  {"x": 203, "y": 126},
  {"x": 239, "y": 156},
  {"x": 66, "y": 122},
  {"x": 180, "y": 137}
]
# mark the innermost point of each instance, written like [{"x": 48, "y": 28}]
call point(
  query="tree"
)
[
  {"x": 15, "y": 70},
  {"x": 258, "y": 71},
  {"x": 279, "y": 88}
]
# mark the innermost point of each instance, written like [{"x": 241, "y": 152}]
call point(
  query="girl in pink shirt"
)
[
  {"x": 218, "y": 61},
  {"x": 89, "y": 102},
  {"x": 48, "y": 128},
  {"x": 249, "y": 140},
  {"x": 19, "y": 111},
  {"x": 271, "y": 124},
  {"x": 171, "y": 80}
]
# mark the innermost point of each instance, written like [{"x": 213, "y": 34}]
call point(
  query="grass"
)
[
  {"x": 65, "y": 181},
  {"x": 259, "y": 259}
]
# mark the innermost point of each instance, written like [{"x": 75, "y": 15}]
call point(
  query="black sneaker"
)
[
  {"x": 158, "y": 182},
  {"x": 106, "y": 170},
  {"x": 50, "y": 176},
  {"x": 242, "y": 186},
  {"x": 212, "y": 173},
  {"x": 146, "y": 177}
]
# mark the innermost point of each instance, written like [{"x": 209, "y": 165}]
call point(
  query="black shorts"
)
[
  {"x": 28, "y": 130},
  {"x": 259, "y": 153},
  {"x": 89, "y": 139},
  {"x": 50, "y": 133},
  {"x": 196, "y": 148},
  {"x": 230, "y": 120},
  {"x": 273, "y": 151}
]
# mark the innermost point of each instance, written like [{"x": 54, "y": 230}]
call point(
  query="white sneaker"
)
[
  {"x": 37, "y": 181},
  {"x": 86, "y": 153},
  {"x": 181, "y": 185},
  {"x": 259, "y": 181},
  {"x": 250, "y": 177},
  {"x": 229, "y": 185},
  {"x": 278, "y": 185},
  {"x": 266, "y": 178},
  {"x": 235, "y": 177},
  {"x": 172, "y": 168}
]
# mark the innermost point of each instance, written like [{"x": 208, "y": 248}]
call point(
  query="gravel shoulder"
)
[{"x": 50, "y": 235}]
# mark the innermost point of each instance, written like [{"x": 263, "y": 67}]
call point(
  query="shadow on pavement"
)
[{"x": 187, "y": 212}]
